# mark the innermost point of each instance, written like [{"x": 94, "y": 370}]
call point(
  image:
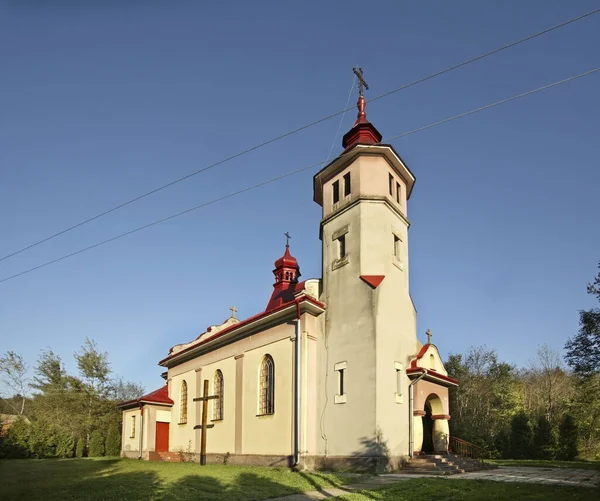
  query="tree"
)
[
  {"x": 13, "y": 371},
  {"x": 547, "y": 387},
  {"x": 125, "y": 390},
  {"x": 80, "y": 449},
  {"x": 583, "y": 351},
  {"x": 544, "y": 442},
  {"x": 583, "y": 356},
  {"x": 486, "y": 398},
  {"x": 96, "y": 445},
  {"x": 94, "y": 369},
  {"x": 113, "y": 441},
  {"x": 520, "y": 437},
  {"x": 65, "y": 443},
  {"x": 16, "y": 442},
  {"x": 567, "y": 439}
]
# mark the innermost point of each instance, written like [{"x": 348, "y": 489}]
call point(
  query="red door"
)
[{"x": 162, "y": 437}]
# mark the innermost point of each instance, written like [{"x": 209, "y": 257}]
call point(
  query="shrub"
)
[
  {"x": 113, "y": 441},
  {"x": 544, "y": 442},
  {"x": 96, "y": 445},
  {"x": 42, "y": 440},
  {"x": 16, "y": 443},
  {"x": 80, "y": 449},
  {"x": 567, "y": 439},
  {"x": 520, "y": 437},
  {"x": 64, "y": 444}
]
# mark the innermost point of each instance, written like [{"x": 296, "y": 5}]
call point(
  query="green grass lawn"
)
[
  {"x": 585, "y": 465},
  {"x": 434, "y": 489},
  {"x": 130, "y": 479}
]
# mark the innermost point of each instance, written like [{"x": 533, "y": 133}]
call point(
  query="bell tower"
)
[{"x": 369, "y": 326}]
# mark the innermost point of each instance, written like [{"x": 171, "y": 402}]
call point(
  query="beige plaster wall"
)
[
  {"x": 241, "y": 431},
  {"x": 221, "y": 438},
  {"x": 270, "y": 434},
  {"x": 424, "y": 389},
  {"x": 128, "y": 443},
  {"x": 181, "y": 435},
  {"x": 373, "y": 330},
  {"x": 431, "y": 359}
]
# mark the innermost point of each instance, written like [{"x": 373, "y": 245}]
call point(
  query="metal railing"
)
[{"x": 467, "y": 449}]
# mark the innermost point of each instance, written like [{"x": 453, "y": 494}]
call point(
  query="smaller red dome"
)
[{"x": 287, "y": 260}]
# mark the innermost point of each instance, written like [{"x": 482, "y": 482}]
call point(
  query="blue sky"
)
[{"x": 102, "y": 103}]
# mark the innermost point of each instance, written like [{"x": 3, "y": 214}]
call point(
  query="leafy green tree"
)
[
  {"x": 567, "y": 439},
  {"x": 486, "y": 398},
  {"x": 42, "y": 439},
  {"x": 96, "y": 445},
  {"x": 16, "y": 442},
  {"x": 544, "y": 441},
  {"x": 94, "y": 369},
  {"x": 520, "y": 437},
  {"x": 80, "y": 449},
  {"x": 14, "y": 376},
  {"x": 65, "y": 443},
  {"x": 583, "y": 356},
  {"x": 113, "y": 441}
]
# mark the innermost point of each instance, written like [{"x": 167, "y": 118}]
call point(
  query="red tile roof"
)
[{"x": 160, "y": 396}]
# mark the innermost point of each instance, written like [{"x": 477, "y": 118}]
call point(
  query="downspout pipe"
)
[
  {"x": 298, "y": 348},
  {"x": 411, "y": 427},
  {"x": 141, "y": 430}
]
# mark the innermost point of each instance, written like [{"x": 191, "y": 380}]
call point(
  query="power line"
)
[
  {"x": 292, "y": 173},
  {"x": 299, "y": 129}
]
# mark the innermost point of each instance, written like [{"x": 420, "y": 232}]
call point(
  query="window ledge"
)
[
  {"x": 182, "y": 424},
  {"x": 399, "y": 398},
  {"x": 216, "y": 420},
  {"x": 265, "y": 415},
  {"x": 339, "y": 399},
  {"x": 398, "y": 264},
  {"x": 338, "y": 263}
]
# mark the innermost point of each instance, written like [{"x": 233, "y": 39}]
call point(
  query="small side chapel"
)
[{"x": 331, "y": 373}]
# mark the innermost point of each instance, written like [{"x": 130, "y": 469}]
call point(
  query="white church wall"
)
[
  {"x": 269, "y": 434},
  {"x": 221, "y": 438},
  {"x": 130, "y": 438},
  {"x": 181, "y": 435}
]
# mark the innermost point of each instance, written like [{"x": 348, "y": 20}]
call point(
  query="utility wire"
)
[
  {"x": 292, "y": 173},
  {"x": 299, "y": 129}
]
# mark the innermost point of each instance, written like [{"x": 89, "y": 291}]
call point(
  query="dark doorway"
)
[{"x": 427, "y": 430}]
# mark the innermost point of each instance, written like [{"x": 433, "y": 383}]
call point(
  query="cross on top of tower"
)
[
  {"x": 287, "y": 238},
  {"x": 429, "y": 334},
  {"x": 361, "y": 81}
]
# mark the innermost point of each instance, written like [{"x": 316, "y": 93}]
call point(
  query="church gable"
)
[
  {"x": 429, "y": 358},
  {"x": 210, "y": 332}
]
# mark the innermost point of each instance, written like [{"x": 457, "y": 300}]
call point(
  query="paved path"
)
[{"x": 548, "y": 476}]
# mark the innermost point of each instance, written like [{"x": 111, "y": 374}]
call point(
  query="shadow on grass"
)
[{"x": 116, "y": 480}]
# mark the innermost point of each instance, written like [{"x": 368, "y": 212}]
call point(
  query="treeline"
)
[
  {"x": 548, "y": 410},
  {"x": 48, "y": 412}
]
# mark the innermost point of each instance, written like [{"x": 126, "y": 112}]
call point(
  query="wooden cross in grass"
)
[{"x": 204, "y": 426}]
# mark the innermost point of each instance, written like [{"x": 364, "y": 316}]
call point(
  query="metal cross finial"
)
[
  {"x": 361, "y": 81},
  {"x": 233, "y": 311},
  {"x": 287, "y": 238},
  {"x": 429, "y": 334}
]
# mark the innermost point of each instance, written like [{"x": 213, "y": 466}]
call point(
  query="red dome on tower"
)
[{"x": 286, "y": 274}]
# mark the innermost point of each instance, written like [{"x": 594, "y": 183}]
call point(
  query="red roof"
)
[{"x": 160, "y": 396}]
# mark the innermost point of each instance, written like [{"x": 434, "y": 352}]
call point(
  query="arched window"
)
[
  {"x": 218, "y": 392},
  {"x": 183, "y": 398},
  {"x": 267, "y": 386}
]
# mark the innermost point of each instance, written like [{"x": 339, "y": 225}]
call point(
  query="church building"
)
[{"x": 331, "y": 374}]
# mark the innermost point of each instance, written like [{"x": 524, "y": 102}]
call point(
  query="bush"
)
[
  {"x": 96, "y": 445},
  {"x": 65, "y": 444},
  {"x": 113, "y": 441},
  {"x": 80, "y": 449},
  {"x": 42, "y": 440},
  {"x": 520, "y": 437},
  {"x": 16, "y": 443},
  {"x": 544, "y": 442},
  {"x": 567, "y": 439}
]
